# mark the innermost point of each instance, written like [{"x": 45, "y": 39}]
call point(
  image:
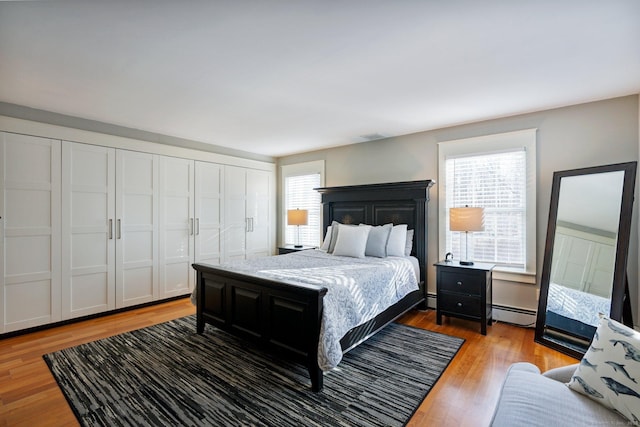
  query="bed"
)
[
  {"x": 574, "y": 312},
  {"x": 285, "y": 314}
]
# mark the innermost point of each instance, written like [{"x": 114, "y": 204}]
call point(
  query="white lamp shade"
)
[
  {"x": 297, "y": 217},
  {"x": 466, "y": 219}
]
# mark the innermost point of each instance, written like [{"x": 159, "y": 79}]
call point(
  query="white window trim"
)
[
  {"x": 297, "y": 169},
  {"x": 482, "y": 145}
]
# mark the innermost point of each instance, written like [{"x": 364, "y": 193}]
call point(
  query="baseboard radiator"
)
[{"x": 501, "y": 313}]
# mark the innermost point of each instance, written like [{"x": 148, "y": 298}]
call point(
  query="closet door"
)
[
  {"x": 574, "y": 255},
  {"x": 208, "y": 212},
  {"x": 258, "y": 206},
  {"x": 176, "y": 226},
  {"x": 136, "y": 228},
  {"x": 236, "y": 222},
  {"x": 600, "y": 270},
  {"x": 88, "y": 244},
  {"x": 30, "y": 231},
  {"x": 584, "y": 260}
]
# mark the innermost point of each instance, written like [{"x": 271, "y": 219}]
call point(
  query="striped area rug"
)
[{"x": 167, "y": 375}]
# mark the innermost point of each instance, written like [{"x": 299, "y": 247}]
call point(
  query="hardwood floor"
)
[
  {"x": 465, "y": 395},
  {"x": 468, "y": 390}
]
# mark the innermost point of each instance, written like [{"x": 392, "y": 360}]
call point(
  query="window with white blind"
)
[
  {"x": 497, "y": 173},
  {"x": 298, "y": 183}
]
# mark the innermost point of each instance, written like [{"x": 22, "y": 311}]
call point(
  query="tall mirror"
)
[{"x": 585, "y": 257}]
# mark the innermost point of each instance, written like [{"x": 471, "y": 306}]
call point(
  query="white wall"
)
[{"x": 592, "y": 134}]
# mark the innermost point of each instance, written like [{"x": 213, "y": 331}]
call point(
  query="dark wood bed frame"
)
[{"x": 286, "y": 316}]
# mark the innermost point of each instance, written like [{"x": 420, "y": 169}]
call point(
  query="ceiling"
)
[{"x": 287, "y": 76}]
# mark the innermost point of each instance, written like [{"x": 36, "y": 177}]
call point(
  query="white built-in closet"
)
[
  {"x": 584, "y": 259},
  {"x": 88, "y": 228},
  {"x": 246, "y": 208},
  {"x": 31, "y": 239}
]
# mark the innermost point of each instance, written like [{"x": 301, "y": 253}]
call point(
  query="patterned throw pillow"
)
[{"x": 609, "y": 372}]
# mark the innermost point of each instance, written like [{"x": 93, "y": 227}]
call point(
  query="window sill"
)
[{"x": 514, "y": 275}]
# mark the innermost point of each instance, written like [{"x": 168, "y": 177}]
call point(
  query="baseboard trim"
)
[
  {"x": 87, "y": 317},
  {"x": 432, "y": 301},
  {"x": 501, "y": 313}
]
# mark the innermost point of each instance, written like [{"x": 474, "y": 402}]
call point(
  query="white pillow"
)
[
  {"x": 377, "y": 240},
  {"x": 351, "y": 241},
  {"x": 397, "y": 240},
  {"x": 609, "y": 372},
  {"x": 335, "y": 225},
  {"x": 409, "y": 244},
  {"x": 327, "y": 240}
]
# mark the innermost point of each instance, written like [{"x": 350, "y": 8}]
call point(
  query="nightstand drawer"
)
[
  {"x": 460, "y": 304},
  {"x": 455, "y": 281}
]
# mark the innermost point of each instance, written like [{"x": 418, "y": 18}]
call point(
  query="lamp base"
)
[{"x": 466, "y": 262}]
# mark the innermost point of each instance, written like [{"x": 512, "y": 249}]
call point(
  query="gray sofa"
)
[{"x": 529, "y": 398}]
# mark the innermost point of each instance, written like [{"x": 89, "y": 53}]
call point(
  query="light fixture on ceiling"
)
[{"x": 370, "y": 137}]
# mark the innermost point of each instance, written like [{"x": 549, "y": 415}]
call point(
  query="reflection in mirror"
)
[{"x": 583, "y": 278}]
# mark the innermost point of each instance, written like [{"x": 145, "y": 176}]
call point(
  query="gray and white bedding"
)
[
  {"x": 577, "y": 305},
  {"x": 358, "y": 288}
]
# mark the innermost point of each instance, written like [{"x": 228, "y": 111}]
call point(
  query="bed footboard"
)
[{"x": 283, "y": 316}]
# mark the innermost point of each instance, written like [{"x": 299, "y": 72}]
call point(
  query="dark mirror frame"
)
[{"x": 620, "y": 286}]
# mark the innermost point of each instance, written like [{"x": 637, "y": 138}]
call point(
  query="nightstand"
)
[
  {"x": 464, "y": 291},
  {"x": 287, "y": 249}
]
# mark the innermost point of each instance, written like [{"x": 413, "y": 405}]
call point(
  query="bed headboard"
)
[{"x": 378, "y": 204}]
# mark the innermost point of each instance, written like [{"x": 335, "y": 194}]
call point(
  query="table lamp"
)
[
  {"x": 466, "y": 219},
  {"x": 297, "y": 217}
]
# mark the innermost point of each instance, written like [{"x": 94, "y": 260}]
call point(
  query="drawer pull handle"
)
[
  {"x": 459, "y": 304},
  {"x": 459, "y": 283}
]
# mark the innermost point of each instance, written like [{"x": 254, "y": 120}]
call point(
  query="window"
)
[
  {"x": 496, "y": 172},
  {"x": 298, "y": 183}
]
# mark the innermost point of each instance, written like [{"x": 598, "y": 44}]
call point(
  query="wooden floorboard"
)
[
  {"x": 465, "y": 395},
  {"x": 468, "y": 390}
]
